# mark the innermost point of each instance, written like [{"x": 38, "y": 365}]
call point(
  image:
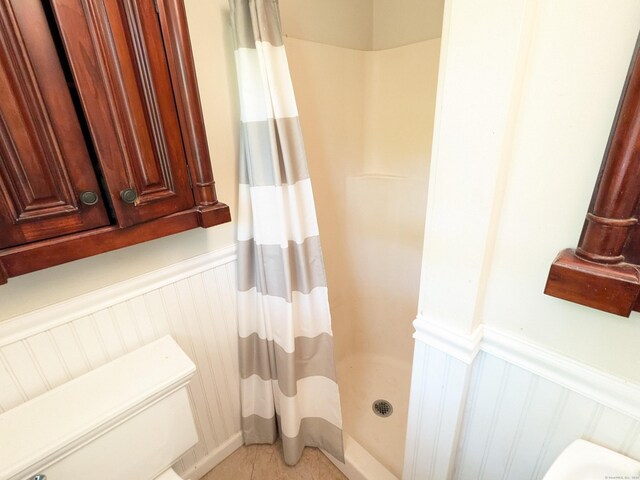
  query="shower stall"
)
[{"x": 367, "y": 121}]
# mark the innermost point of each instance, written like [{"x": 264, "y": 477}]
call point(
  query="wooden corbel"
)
[{"x": 603, "y": 272}]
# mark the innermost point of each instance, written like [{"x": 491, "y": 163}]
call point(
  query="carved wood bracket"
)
[{"x": 603, "y": 272}]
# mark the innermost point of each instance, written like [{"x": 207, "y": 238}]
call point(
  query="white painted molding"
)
[
  {"x": 213, "y": 458},
  {"x": 611, "y": 391},
  {"x": 359, "y": 464},
  {"x": 608, "y": 390},
  {"x": 32, "y": 323},
  {"x": 452, "y": 342}
]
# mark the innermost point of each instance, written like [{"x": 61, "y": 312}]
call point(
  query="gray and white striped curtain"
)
[{"x": 288, "y": 382}]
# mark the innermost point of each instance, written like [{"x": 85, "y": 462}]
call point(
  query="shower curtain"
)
[{"x": 288, "y": 384}]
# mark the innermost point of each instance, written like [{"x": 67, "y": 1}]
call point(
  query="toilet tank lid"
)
[
  {"x": 587, "y": 461},
  {"x": 37, "y": 432}
]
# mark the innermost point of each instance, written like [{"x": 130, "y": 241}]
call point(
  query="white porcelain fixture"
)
[
  {"x": 128, "y": 420},
  {"x": 583, "y": 460}
]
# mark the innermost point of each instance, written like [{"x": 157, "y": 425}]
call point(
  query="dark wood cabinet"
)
[
  {"x": 102, "y": 142},
  {"x": 44, "y": 161}
]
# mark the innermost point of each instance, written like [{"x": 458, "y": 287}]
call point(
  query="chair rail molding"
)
[
  {"x": 31, "y": 323},
  {"x": 611, "y": 391},
  {"x": 455, "y": 343}
]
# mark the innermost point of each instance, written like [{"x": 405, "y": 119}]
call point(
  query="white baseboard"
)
[
  {"x": 200, "y": 469},
  {"x": 359, "y": 464}
]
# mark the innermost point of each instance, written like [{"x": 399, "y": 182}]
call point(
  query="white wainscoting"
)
[
  {"x": 516, "y": 423},
  {"x": 436, "y": 403},
  {"x": 521, "y": 406},
  {"x": 193, "y": 301}
]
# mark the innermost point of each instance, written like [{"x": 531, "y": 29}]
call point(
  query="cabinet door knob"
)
[
  {"x": 128, "y": 195},
  {"x": 89, "y": 198}
]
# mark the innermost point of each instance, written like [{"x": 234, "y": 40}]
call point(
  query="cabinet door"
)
[
  {"x": 118, "y": 59},
  {"x": 44, "y": 163}
]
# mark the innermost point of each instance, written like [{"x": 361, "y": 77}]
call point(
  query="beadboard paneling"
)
[
  {"x": 194, "y": 302},
  {"x": 508, "y": 411},
  {"x": 516, "y": 423},
  {"x": 438, "y": 392}
]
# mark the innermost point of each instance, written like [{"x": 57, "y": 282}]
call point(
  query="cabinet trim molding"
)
[
  {"x": 183, "y": 74},
  {"x": 36, "y": 256}
]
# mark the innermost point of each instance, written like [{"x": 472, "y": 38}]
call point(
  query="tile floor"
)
[{"x": 265, "y": 462}]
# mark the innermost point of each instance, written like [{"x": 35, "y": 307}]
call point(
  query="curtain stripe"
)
[
  {"x": 274, "y": 73},
  {"x": 297, "y": 268},
  {"x": 267, "y": 14},
  {"x": 315, "y": 398},
  {"x": 314, "y": 432},
  {"x": 310, "y": 311},
  {"x": 260, "y": 356},
  {"x": 265, "y": 140},
  {"x": 276, "y": 215},
  {"x": 288, "y": 383}
]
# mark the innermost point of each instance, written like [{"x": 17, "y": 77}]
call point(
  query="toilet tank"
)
[
  {"x": 127, "y": 420},
  {"x": 583, "y": 460}
]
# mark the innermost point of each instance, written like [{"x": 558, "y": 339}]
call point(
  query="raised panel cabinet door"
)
[
  {"x": 118, "y": 59},
  {"x": 44, "y": 162}
]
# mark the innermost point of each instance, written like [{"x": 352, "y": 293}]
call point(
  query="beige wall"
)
[
  {"x": 362, "y": 24},
  {"x": 575, "y": 71},
  {"x": 401, "y": 87},
  {"x": 527, "y": 94},
  {"x": 402, "y": 22},
  {"x": 342, "y": 23},
  {"x": 213, "y": 52}
]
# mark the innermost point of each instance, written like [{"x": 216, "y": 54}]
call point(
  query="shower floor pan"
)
[{"x": 374, "y": 445}]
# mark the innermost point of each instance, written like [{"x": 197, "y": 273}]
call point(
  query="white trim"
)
[
  {"x": 611, "y": 391},
  {"x": 608, "y": 390},
  {"x": 359, "y": 464},
  {"x": 213, "y": 458},
  {"x": 32, "y": 323},
  {"x": 452, "y": 342}
]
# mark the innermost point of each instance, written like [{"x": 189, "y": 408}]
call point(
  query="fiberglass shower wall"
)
[{"x": 367, "y": 121}]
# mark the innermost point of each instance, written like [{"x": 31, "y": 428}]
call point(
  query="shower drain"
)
[{"x": 382, "y": 408}]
